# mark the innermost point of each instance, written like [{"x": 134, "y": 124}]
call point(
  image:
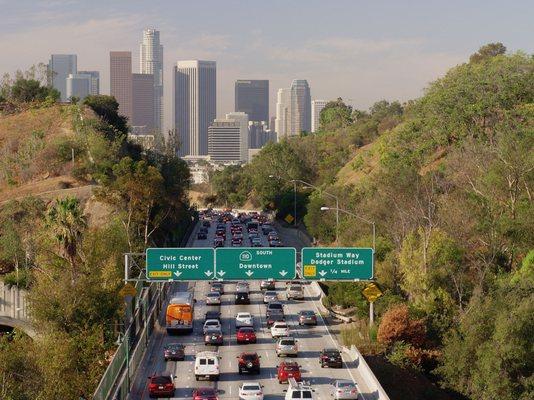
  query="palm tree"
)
[{"x": 67, "y": 222}]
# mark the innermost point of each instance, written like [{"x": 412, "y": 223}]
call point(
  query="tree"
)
[
  {"x": 487, "y": 51},
  {"x": 336, "y": 114},
  {"x": 397, "y": 326},
  {"x": 27, "y": 90},
  {"x": 107, "y": 108},
  {"x": 490, "y": 355},
  {"x": 67, "y": 223}
]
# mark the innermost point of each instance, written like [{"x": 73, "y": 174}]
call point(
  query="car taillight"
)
[
  {"x": 354, "y": 391},
  {"x": 169, "y": 386},
  {"x": 152, "y": 386},
  {"x": 340, "y": 391}
]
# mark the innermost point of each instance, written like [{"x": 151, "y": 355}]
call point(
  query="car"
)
[
  {"x": 288, "y": 369},
  {"x": 206, "y": 224},
  {"x": 246, "y": 335},
  {"x": 160, "y": 386},
  {"x": 298, "y": 390},
  {"x": 244, "y": 319},
  {"x": 294, "y": 291},
  {"x": 242, "y": 286},
  {"x": 212, "y": 314},
  {"x": 217, "y": 287},
  {"x": 213, "y": 298},
  {"x": 287, "y": 346},
  {"x": 202, "y": 235},
  {"x": 307, "y": 317},
  {"x": 174, "y": 352},
  {"x": 205, "y": 393},
  {"x": 256, "y": 243},
  {"x": 213, "y": 335},
  {"x": 275, "y": 243},
  {"x": 248, "y": 362},
  {"x": 266, "y": 229},
  {"x": 218, "y": 242},
  {"x": 275, "y": 317},
  {"x": 274, "y": 305},
  {"x": 220, "y": 233},
  {"x": 330, "y": 358},
  {"x": 207, "y": 365},
  {"x": 269, "y": 296},
  {"x": 279, "y": 329},
  {"x": 251, "y": 391},
  {"x": 236, "y": 242},
  {"x": 253, "y": 237},
  {"x": 272, "y": 235},
  {"x": 210, "y": 323},
  {"x": 343, "y": 389},
  {"x": 242, "y": 298},
  {"x": 268, "y": 284},
  {"x": 203, "y": 229}
]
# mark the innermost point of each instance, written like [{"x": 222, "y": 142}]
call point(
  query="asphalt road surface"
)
[{"x": 311, "y": 341}]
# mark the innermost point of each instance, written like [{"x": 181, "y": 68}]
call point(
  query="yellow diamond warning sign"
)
[
  {"x": 371, "y": 292},
  {"x": 289, "y": 218}
]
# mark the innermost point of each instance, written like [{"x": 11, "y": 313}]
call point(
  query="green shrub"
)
[{"x": 22, "y": 280}]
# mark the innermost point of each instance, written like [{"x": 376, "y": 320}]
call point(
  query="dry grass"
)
[{"x": 361, "y": 165}]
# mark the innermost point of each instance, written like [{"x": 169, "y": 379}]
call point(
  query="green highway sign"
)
[
  {"x": 180, "y": 264},
  {"x": 337, "y": 263},
  {"x": 248, "y": 263}
]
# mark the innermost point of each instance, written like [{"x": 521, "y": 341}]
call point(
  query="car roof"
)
[
  {"x": 330, "y": 350},
  {"x": 244, "y": 313},
  {"x": 212, "y": 320}
]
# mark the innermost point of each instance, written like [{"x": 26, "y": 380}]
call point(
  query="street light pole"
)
[
  {"x": 372, "y": 223},
  {"x": 295, "y": 201}
]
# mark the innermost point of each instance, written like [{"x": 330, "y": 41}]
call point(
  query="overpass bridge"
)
[{"x": 14, "y": 309}]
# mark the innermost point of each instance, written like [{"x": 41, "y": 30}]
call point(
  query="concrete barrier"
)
[
  {"x": 14, "y": 309},
  {"x": 378, "y": 392}
]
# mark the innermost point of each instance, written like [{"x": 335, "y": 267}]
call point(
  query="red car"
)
[
  {"x": 205, "y": 393},
  {"x": 289, "y": 369},
  {"x": 246, "y": 335},
  {"x": 160, "y": 386},
  {"x": 249, "y": 362}
]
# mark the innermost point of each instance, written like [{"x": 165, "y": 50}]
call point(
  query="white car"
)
[
  {"x": 213, "y": 298},
  {"x": 298, "y": 390},
  {"x": 244, "y": 319},
  {"x": 211, "y": 323},
  {"x": 207, "y": 365},
  {"x": 279, "y": 329},
  {"x": 251, "y": 391}
]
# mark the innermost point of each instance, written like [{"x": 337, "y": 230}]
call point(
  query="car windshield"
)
[
  {"x": 307, "y": 313},
  {"x": 161, "y": 379},
  {"x": 345, "y": 384},
  {"x": 287, "y": 342},
  {"x": 280, "y": 325},
  {"x": 246, "y": 330},
  {"x": 243, "y": 315},
  {"x": 291, "y": 368},
  {"x": 251, "y": 387},
  {"x": 275, "y": 306},
  {"x": 269, "y": 293},
  {"x": 213, "y": 294},
  {"x": 249, "y": 357},
  {"x": 206, "y": 392},
  {"x": 212, "y": 323},
  {"x": 174, "y": 347},
  {"x": 295, "y": 287}
]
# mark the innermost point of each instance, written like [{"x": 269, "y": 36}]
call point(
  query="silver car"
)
[
  {"x": 295, "y": 291},
  {"x": 287, "y": 346},
  {"x": 343, "y": 389},
  {"x": 270, "y": 295},
  {"x": 213, "y": 298}
]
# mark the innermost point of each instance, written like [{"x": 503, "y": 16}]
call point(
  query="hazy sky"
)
[{"x": 359, "y": 50}]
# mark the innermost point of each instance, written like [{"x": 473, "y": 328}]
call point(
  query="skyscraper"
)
[
  {"x": 78, "y": 85},
  {"x": 316, "y": 108},
  {"x": 143, "y": 103},
  {"x": 60, "y": 67},
  {"x": 95, "y": 81},
  {"x": 151, "y": 62},
  {"x": 194, "y": 104},
  {"x": 283, "y": 103},
  {"x": 121, "y": 81},
  {"x": 252, "y": 97},
  {"x": 228, "y": 138},
  {"x": 300, "y": 109}
]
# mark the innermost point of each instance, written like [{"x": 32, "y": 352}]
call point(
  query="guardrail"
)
[{"x": 378, "y": 392}]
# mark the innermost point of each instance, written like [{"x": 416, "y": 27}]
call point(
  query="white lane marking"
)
[
  {"x": 334, "y": 343},
  {"x": 230, "y": 389}
]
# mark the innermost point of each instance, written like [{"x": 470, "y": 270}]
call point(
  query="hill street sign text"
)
[{"x": 180, "y": 264}]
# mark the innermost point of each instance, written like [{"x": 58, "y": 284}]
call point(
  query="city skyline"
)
[{"x": 372, "y": 54}]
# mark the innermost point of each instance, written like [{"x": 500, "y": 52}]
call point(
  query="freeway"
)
[{"x": 311, "y": 341}]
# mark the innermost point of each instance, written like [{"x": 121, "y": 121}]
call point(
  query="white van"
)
[
  {"x": 207, "y": 365},
  {"x": 298, "y": 390}
]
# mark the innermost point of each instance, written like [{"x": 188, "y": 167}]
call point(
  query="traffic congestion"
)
[{"x": 247, "y": 340}]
